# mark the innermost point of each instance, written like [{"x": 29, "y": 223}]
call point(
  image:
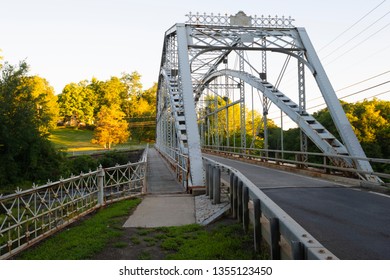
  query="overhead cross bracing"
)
[{"x": 214, "y": 59}]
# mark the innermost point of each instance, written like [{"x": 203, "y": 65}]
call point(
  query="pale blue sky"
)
[{"x": 71, "y": 40}]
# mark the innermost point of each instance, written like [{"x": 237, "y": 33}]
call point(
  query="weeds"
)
[{"x": 86, "y": 238}]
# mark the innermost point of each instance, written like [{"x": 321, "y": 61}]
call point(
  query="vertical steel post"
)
[
  {"x": 275, "y": 238},
  {"x": 302, "y": 107},
  {"x": 216, "y": 121},
  {"x": 227, "y": 109},
  {"x": 239, "y": 201},
  {"x": 242, "y": 102},
  {"x": 263, "y": 77},
  {"x": 217, "y": 185},
  {"x": 231, "y": 182},
  {"x": 257, "y": 235},
  {"x": 210, "y": 186},
  {"x": 235, "y": 197},
  {"x": 207, "y": 178},
  {"x": 245, "y": 209},
  {"x": 297, "y": 249}
]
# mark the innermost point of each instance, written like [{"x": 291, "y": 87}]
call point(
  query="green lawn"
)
[
  {"x": 79, "y": 141},
  {"x": 73, "y": 139}
]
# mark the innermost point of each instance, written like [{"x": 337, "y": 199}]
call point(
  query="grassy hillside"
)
[
  {"x": 73, "y": 139},
  {"x": 78, "y": 141}
]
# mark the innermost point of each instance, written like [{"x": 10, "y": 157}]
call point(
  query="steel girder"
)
[
  {"x": 198, "y": 56},
  {"x": 175, "y": 104},
  {"x": 320, "y": 136}
]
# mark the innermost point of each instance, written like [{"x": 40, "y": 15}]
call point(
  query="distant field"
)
[{"x": 78, "y": 141}]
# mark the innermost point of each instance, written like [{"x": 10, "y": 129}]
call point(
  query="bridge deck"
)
[
  {"x": 160, "y": 178},
  {"x": 352, "y": 224}
]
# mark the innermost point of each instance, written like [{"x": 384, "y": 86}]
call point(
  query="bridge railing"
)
[
  {"x": 316, "y": 161},
  {"x": 29, "y": 216},
  {"x": 179, "y": 163},
  {"x": 285, "y": 237}
]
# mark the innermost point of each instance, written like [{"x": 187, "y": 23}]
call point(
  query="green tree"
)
[
  {"x": 113, "y": 92},
  {"x": 77, "y": 103},
  {"x": 111, "y": 127},
  {"x": 46, "y": 102},
  {"x": 141, "y": 109},
  {"x": 370, "y": 121},
  {"x": 25, "y": 152}
]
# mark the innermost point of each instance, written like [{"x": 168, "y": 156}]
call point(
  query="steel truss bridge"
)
[{"x": 214, "y": 68}]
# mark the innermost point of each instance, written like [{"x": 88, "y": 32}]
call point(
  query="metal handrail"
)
[
  {"x": 182, "y": 171},
  {"x": 27, "y": 217},
  {"x": 278, "y": 160},
  {"x": 281, "y": 226}
]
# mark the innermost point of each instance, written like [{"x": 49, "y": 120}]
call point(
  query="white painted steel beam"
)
[
  {"x": 338, "y": 115},
  {"x": 194, "y": 151}
]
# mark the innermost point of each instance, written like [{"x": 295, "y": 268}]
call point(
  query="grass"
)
[
  {"x": 195, "y": 242},
  {"x": 79, "y": 141},
  {"x": 73, "y": 139},
  {"x": 85, "y": 239},
  {"x": 101, "y": 234},
  {"x": 225, "y": 242}
]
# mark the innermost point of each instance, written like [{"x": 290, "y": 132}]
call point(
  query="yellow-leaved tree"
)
[{"x": 111, "y": 127}]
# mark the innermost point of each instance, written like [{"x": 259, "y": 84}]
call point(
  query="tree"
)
[
  {"x": 25, "y": 152},
  {"x": 141, "y": 109},
  {"x": 370, "y": 121},
  {"x": 77, "y": 103},
  {"x": 111, "y": 128},
  {"x": 46, "y": 102}
]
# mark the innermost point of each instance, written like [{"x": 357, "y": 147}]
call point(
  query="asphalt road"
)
[{"x": 351, "y": 223}]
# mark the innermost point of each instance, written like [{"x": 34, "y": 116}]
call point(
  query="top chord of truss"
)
[{"x": 240, "y": 19}]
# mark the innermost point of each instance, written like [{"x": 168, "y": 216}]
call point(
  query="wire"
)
[
  {"x": 357, "y": 83},
  {"x": 349, "y": 28},
  {"x": 358, "y": 44},
  {"x": 349, "y": 95},
  {"x": 357, "y": 35},
  {"x": 352, "y": 94},
  {"x": 373, "y": 77}
]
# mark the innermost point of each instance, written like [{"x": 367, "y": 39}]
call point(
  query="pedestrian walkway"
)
[
  {"x": 166, "y": 203},
  {"x": 163, "y": 211},
  {"x": 160, "y": 178}
]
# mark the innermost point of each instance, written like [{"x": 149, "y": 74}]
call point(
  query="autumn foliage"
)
[{"x": 111, "y": 128}]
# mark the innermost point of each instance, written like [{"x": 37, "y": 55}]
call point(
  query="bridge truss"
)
[{"x": 212, "y": 69}]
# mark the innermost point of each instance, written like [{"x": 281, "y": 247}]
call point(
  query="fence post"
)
[
  {"x": 207, "y": 179},
  {"x": 239, "y": 200},
  {"x": 217, "y": 185},
  {"x": 297, "y": 250},
  {"x": 275, "y": 238},
  {"x": 100, "y": 184},
  {"x": 245, "y": 209},
  {"x": 231, "y": 188},
  {"x": 257, "y": 225},
  {"x": 327, "y": 170},
  {"x": 235, "y": 191},
  {"x": 211, "y": 181}
]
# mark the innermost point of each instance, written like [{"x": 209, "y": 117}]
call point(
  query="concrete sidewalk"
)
[
  {"x": 163, "y": 211},
  {"x": 166, "y": 203}
]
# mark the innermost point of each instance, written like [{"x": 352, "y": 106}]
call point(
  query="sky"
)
[{"x": 73, "y": 40}]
